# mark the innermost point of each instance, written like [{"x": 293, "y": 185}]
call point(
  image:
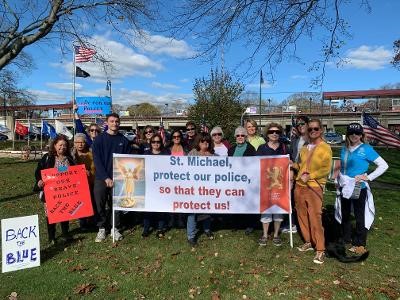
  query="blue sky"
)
[{"x": 159, "y": 70}]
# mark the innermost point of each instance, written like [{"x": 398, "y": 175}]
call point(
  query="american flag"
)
[
  {"x": 103, "y": 125},
  {"x": 83, "y": 54},
  {"x": 161, "y": 130},
  {"x": 374, "y": 130}
]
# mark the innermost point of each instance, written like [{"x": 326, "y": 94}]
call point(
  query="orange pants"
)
[{"x": 308, "y": 202}]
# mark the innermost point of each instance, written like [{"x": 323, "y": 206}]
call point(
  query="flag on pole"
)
[
  {"x": 62, "y": 129},
  {"x": 374, "y": 130},
  {"x": 81, "y": 73},
  {"x": 161, "y": 130},
  {"x": 33, "y": 129},
  {"x": 4, "y": 129},
  {"x": 261, "y": 78},
  {"x": 49, "y": 130},
  {"x": 83, "y": 54},
  {"x": 21, "y": 129}
]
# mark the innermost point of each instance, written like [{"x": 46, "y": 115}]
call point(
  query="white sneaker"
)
[
  {"x": 101, "y": 235},
  {"x": 117, "y": 235},
  {"x": 287, "y": 229}
]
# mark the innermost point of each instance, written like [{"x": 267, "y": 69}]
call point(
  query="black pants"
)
[
  {"x": 103, "y": 200},
  {"x": 51, "y": 229},
  {"x": 360, "y": 234}
]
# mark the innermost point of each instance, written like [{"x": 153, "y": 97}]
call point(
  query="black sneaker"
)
[
  {"x": 192, "y": 242},
  {"x": 145, "y": 233},
  {"x": 209, "y": 234},
  {"x": 160, "y": 234}
]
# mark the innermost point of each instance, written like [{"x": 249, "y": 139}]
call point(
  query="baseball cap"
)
[{"x": 354, "y": 128}]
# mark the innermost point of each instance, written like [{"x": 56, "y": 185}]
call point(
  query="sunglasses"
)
[
  {"x": 156, "y": 142},
  {"x": 149, "y": 131},
  {"x": 176, "y": 136},
  {"x": 313, "y": 129},
  {"x": 240, "y": 135},
  {"x": 190, "y": 129},
  {"x": 354, "y": 132},
  {"x": 93, "y": 130},
  {"x": 274, "y": 131},
  {"x": 300, "y": 124},
  {"x": 217, "y": 134}
]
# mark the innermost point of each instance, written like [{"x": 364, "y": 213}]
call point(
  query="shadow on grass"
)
[
  {"x": 16, "y": 197},
  {"x": 51, "y": 251}
]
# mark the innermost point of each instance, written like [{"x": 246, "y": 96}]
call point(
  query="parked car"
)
[
  {"x": 3, "y": 137},
  {"x": 333, "y": 138}
]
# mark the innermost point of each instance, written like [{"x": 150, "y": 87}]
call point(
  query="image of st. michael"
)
[{"x": 131, "y": 175}]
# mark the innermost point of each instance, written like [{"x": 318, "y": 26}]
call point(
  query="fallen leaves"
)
[
  {"x": 84, "y": 289},
  {"x": 77, "y": 268},
  {"x": 13, "y": 296}
]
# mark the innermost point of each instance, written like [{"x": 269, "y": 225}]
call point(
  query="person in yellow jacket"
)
[{"x": 312, "y": 171}]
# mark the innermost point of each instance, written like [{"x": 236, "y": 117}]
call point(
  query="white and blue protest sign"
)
[
  {"x": 93, "y": 105},
  {"x": 20, "y": 243}
]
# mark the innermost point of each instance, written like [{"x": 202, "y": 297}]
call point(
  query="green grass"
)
[{"x": 233, "y": 265}]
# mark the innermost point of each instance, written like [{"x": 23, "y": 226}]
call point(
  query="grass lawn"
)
[{"x": 232, "y": 266}]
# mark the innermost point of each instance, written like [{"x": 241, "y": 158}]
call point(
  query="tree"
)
[
  {"x": 10, "y": 93},
  {"x": 396, "y": 56},
  {"x": 25, "y": 22},
  {"x": 217, "y": 102},
  {"x": 306, "y": 102},
  {"x": 273, "y": 29},
  {"x": 144, "y": 110}
]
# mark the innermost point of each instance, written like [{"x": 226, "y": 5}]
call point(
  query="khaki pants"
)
[{"x": 309, "y": 213}]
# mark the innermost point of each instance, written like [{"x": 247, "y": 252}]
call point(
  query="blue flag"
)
[{"x": 49, "y": 130}]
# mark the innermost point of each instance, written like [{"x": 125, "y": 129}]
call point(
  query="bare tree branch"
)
[{"x": 63, "y": 19}]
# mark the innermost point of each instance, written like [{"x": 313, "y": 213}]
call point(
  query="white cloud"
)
[
  {"x": 184, "y": 80},
  {"x": 257, "y": 85},
  {"x": 367, "y": 57},
  {"x": 127, "y": 97},
  {"x": 159, "y": 44},
  {"x": 45, "y": 96},
  {"x": 165, "y": 86},
  {"x": 298, "y": 77},
  {"x": 65, "y": 86},
  {"x": 123, "y": 62}
]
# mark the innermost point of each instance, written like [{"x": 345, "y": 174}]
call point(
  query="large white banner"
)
[
  {"x": 200, "y": 184},
  {"x": 20, "y": 243}
]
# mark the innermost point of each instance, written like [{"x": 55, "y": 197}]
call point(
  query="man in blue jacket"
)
[{"x": 109, "y": 142}]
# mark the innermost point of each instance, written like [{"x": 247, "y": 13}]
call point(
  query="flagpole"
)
[
  {"x": 15, "y": 122},
  {"x": 41, "y": 135},
  {"x": 261, "y": 81},
  {"x": 29, "y": 126},
  {"x": 73, "y": 88}
]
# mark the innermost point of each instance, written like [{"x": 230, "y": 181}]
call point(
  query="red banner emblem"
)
[
  {"x": 274, "y": 185},
  {"x": 67, "y": 194}
]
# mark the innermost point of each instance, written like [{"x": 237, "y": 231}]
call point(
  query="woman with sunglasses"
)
[
  {"x": 355, "y": 192},
  {"x": 221, "y": 145},
  {"x": 243, "y": 148},
  {"x": 148, "y": 133},
  {"x": 252, "y": 137},
  {"x": 312, "y": 172},
  {"x": 156, "y": 148},
  {"x": 176, "y": 146},
  {"x": 203, "y": 146},
  {"x": 273, "y": 132}
]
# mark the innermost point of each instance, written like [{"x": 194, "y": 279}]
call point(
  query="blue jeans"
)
[{"x": 191, "y": 225}]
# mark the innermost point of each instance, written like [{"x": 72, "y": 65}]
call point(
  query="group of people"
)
[{"x": 310, "y": 164}]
